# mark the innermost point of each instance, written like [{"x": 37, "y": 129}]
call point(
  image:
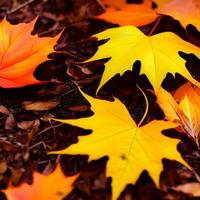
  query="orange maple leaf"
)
[
  {"x": 21, "y": 53},
  {"x": 52, "y": 187},
  {"x": 119, "y": 12}
]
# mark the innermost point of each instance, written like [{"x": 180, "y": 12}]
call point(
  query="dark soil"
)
[{"x": 26, "y": 136}]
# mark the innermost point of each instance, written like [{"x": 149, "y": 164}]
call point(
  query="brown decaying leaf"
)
[
  {"x": 40, "y": 105},
  {"x": 189, "y": 188}
]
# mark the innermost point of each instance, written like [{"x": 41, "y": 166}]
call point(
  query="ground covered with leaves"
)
[{"x": 27, "y": 134}]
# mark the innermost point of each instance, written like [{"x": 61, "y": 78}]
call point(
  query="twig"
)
[
  {"x": 49, "y": 128},
  {"x": 20, "y": 6}
]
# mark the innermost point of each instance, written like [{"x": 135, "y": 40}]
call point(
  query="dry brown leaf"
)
[
  {"x": 189, "y": 188},
  {"x": 40, "y": 105}
]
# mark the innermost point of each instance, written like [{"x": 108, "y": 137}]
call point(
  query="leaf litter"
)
[{"x": 24, "y": 145}]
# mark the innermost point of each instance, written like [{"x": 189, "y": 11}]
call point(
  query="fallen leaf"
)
[
  {"x": 10, "y": 121},
  {"x": 54, "y": 186},
  {"x": 122, "y": 13},
  {"x": 131, "y": 149},
  {"x": 187, "y": 89},
  {"x": 40, "y": 105},
  {"x": 185, "y": 11},
  {"x": 186, "y": 113},
  {"x": 169, "y": 106},
  {"x": 189, "y": 188},
  {"x": 21, "y": 53},
  {"x": 158, "y": 54},
  {"x": 26, "y": 125},
  {"x": 161, "y": 3}
]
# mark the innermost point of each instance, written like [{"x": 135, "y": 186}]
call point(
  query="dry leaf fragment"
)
[
  {"x": 158, "y": 54},
  {"x": 26, "y": 125},
  {"x": 189, "y": 188},
  {"x": 128, "y": 146},
  {"x": 21, "y": 53},
  {"x": 10, "y": 121},
  {"x": 40, "y": 105},
  {"x": 52, "y": 187}
]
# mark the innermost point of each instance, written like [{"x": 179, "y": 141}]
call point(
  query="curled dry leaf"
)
[
  {"x": 40, "y": 105},
  {"x": 128, "y": 146},
  {"x": 54, "y": 186},
  {"x": 21, "y": 53}
]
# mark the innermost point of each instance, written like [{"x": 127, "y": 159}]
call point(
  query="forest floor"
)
[{"x": 27, "y": 135}]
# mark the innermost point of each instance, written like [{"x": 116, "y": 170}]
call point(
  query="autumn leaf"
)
[
  {"x": 158, "y": 54},
  {"x": 54, "y": 186},
  {"x": 189, "y": 188},
  {"x": 186, "y": 113},
  {"x": 188, "y": 89},
  {"x": 122, "y": 13},
  {"x": 21, "y": 53},
  {"x": 131, "y": 149},
  {"x": 185, "y": 11},
  {"x": 161, "y": 3}
]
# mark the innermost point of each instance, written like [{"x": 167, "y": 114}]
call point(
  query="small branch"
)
[
  {"x": 49, "y": 128},
  {"x": 20, "y": 6}
]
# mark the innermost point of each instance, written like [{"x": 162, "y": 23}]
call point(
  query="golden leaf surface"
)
[
  {"x": 122, "y": 13},
  {"x": 52, "y": 187},
  {"x": 185, "y": 11},
  {"x": 21, "y": 53},
  {"x": 158, "y": 54},
  {"x": 131, "y": 149}
]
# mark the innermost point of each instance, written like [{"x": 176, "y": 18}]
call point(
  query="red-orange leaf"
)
[
  {"x": 185, "y": 11},
  {"x": 21, "y": 53},
  {"x": 52, "y": 187},
  {"x": 119, "y": 12}
]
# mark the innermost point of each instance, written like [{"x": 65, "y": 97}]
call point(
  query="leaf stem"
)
[
  {"x": 147, "y": 106},
  {"x": 155, "y": 26}
]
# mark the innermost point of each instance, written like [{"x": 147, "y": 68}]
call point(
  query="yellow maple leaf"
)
[
  {"x": 52, "y": 187},
  {"x": 21, "y": 53},
  {"x": 122, "y": 13},
  {"x": 131, "y": 149},
  {"x": 185, "y": 11},
  {"x": 158, "y": 54}
]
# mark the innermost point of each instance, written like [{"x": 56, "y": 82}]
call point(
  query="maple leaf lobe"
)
[{"x": 21, "y": 53}]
